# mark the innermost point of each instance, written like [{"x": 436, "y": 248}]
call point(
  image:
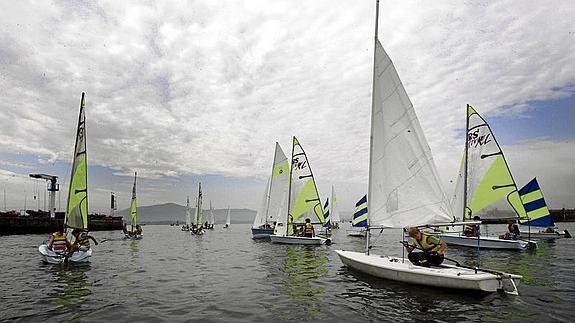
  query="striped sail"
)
[
  {"x": 360, "y": 213},
  {"x": 326, "y": 215},
  {"x": 304, "y": 200},
  {"x": 77, "y": 209},
  {"x": 488, "y": 176},
  {"x": 134, "y": 206},
  {"x": 537, "y": 212},
  {"x": 404, "y": 186}
]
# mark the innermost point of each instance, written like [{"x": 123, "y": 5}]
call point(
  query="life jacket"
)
[
  {"x": 308, "y": 229},
  {"x": 58, "y": 242},
  {"x": 426, "y": 245}
]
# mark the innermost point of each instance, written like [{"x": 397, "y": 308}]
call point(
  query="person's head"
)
[
  {"x": 476, "y": 218},
  {"x": 415, "y": 233},
  {"x": 307, "y": 220}
]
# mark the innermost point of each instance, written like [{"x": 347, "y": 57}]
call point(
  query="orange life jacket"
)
[{"x": 58, "y": 242}]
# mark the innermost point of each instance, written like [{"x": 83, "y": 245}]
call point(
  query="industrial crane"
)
[{"x": 53, "y": 187}]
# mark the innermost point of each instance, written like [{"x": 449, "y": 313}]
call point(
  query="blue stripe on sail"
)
[
  {"x": 534, "y": 205},
  {"x": 546, "y": 221},
  {"x": 359, "y": 213},
  {"x": 361, "y": 224},
  {"x": 327, "y": 223},
  {"x": 529, "y": 187},
  {"x": 361, "y": 201}
]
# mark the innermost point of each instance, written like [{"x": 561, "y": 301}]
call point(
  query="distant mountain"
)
[{"x": 172, "y": 212}]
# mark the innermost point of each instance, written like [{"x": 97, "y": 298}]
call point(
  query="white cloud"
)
[{"x": 179, "y": 88}]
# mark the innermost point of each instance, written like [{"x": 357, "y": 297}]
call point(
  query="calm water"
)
[{"x": 225, "y": 276}]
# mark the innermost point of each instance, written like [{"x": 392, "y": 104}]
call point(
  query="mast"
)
[
  {"x": 270, "y": 186},
  {"x": 371, "y": 125},
  {"x": 466, "y": 153},
  {"x": 289, "y": 186}
]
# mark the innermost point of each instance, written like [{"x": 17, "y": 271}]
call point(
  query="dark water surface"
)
[{"x": 225, "y": 276}]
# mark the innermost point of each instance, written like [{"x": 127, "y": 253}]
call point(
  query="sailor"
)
[
  {"x": 308, "y": 229},
  {"x": 58, "y": 242},
  {"x": 432, "y": 248},
  {"x": 138, "y": 229},
  {"x": 513, "y": 229},
  {"x": 473, "y": 230},
  {"x": 81, "y": 241}
]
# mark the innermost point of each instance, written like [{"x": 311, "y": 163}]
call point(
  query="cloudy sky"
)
[{"x": 189, "y": 91}]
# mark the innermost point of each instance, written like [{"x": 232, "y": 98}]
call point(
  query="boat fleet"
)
[{"x": 404, "y": 191}]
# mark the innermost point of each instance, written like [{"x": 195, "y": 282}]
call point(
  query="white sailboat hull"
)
[
  {"x": 445, "y": 276},
  {"x": 357, "y": 233},
  {"x": 133, "y": 237},
  {"x": 541, "y": 235},
  {"x": 457, "y": 239},
  {"x": 298, "y": 240},
  {"x": 51, "y": 257}
]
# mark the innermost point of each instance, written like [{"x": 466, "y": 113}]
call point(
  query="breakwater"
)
[{"x": 15, "y": 224}]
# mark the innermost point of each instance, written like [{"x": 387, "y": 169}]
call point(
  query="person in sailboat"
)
[
  {"x": 474, "y": 229},
  {"x": 513, "y": 233},
  {"x": 308, "y": 230},
  {"x": 59, "y": 242},
  {"x": 432, "y": 248},
  {"x": 138, "y": 229},
  {"x": 81, "y": 241}
]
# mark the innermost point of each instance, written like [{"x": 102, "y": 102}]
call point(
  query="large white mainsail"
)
[
  {"x": 273, "y": 203},
  {"x": 485, "y": 171},
  {"x": 228, "y": 218},
  {"x": 334, "y": 211},
  {"x": 188, "y": 212},
  {"x": 134, "y": 207},
  {"x": 404, "y": 187},
  {"x": 211, "y": 218},
  {"x": 304, "y": 198},
  {"x": 199, "y": 214}
]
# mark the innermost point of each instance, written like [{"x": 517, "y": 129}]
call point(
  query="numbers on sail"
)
[{"x": 296, "y": 164}]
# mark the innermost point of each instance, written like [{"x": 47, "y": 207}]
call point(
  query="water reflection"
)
[
  {"x": 71, "y": 287},
  {"x": 303, "y": 266}
]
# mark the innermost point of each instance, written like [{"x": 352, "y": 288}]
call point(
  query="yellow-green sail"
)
[
  {"x": 77, "y": 210},
  {"x": 304, "y": 198},
  {"x": 488, "y": 176},
  {"x": 134, "y": 206}
]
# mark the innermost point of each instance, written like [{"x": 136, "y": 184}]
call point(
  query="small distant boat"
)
[
  {"x": 405, "y": 191},
  {"x": 228, "y": 219},
  {"x": 303, "y": 203},
  {"x": 538, "y": 215},
  {"x": 359, "y": 220},
  {"x": 77, "y": 209},
  {"x": 273, "y": 198},
  {"x": 211, "y": 218},
  {"x": 186, "y": 227},
  {"x": 197, "y": 226},
  {"x": 135, "y": 229},
  {"x": 484, "y": 179},
  {"x": 331, "y": 214}
]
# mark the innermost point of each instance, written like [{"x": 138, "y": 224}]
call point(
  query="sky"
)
[{"x": 190, "y": 91}]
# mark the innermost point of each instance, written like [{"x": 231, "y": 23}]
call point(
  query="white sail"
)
[
  {"x": 228, "y": 219},
  {"x": 199, "y": 213},
  {"x": 212, "y": 218},
  {"x": 334, "y": 212},
  {"x": 404, "y": 187},
  {"x": 273, "y": 203},
  {"x": 188, "y": 212}
]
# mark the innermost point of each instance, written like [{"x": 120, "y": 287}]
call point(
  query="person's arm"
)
[
  {"x": 407, "y": 246},
  {"x": 51, "y": 242},
  {"x": 442, "y": 247},
  {"x": 93, "y": 239}
]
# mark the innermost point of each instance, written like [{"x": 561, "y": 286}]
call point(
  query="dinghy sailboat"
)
[
  {"x": 186, "y": 227},
  {"x": 359, "y": 219},
  {"x": 484, "y": 179},
  {"x": 211, "y": 218},
  {"x": 135, "y": 229},
  {"x": 198, "y": 227},
  {"x": 274, "y": 196},
  {"x": 404, "y": 189},
  {"x": 538, "y": 214},
  {"x": 228, "y": 219},
  {"x": 302, "y": 202},
  {"x": 331, "y": 214},
  {"x": 77, "y": 209}
]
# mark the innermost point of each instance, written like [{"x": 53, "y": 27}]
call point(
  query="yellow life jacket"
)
[
  {"x": 428, "y": 243},
  {"x": 308, "y": 228},
  {"x": 58, "y": 241}
]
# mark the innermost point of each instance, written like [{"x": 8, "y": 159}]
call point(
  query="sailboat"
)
[
  {"x": 77, "y": 209},
  {"x": 274, "y": 196},
  {"x": 359, "y": 219},
  {"x": 135, "y": 230},
  {"x": 198, "y": 227},
  {"x": 334, "y": 211},
  {"x": 228, "y": 219},
  {"x": 485, "y": 178},
  {"x": 211, "y": 218},
  {"x": 302, "y": 202},
  {"x": 404, "y": 189},
  {"x": 186, "y": 227},
  {"x": 538, "y": 214}
]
